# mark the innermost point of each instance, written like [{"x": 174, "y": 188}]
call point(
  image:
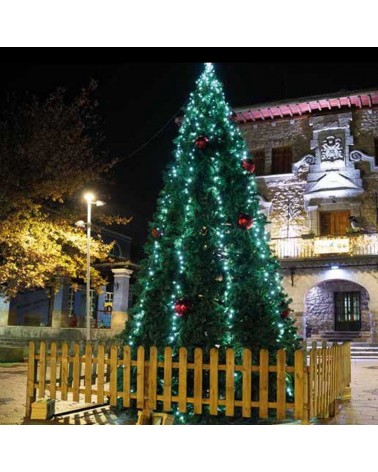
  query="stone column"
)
[
  {"x": 373, "y": 307},
  {"x": 120, "y": 298},
  {"x": 4, "y": 312},
  {"x": 300, "y": 323}
]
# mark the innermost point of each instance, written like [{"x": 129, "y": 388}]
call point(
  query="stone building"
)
[
  {"x": 62, "y": 316},
  {"x": 317, "y": 170}
]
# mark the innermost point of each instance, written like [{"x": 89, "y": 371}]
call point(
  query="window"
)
[
  {"x": 347, "y": 311},
  {"x": 93, "y": 303},
  {"x": 71, "y": 299},
  {"x": 116, "y": 250},
  {"x": 376, "y": 151},
  {"x": 333, "y": 223},
  {"x": 259, "y": 161},
  {"x": 282, "y": 159}
]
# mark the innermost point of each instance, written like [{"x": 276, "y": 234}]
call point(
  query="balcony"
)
[{"x": 321, "y": 247}]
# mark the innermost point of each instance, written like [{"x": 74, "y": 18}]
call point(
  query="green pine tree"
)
[{"x": 208, "y": 280}]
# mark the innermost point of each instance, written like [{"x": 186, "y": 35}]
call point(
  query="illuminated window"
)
[
  {"x": 282, "y": 159},
  {"x": 259, "y": 161}
]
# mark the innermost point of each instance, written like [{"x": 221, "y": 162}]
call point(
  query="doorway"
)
[{"x": 347, "y": 311}]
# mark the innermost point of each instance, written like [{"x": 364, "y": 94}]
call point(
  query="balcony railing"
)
[{"x": 318, "y": 247}]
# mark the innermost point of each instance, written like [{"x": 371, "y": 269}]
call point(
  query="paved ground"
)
[
  {"x": 363, "y": 406},
  {"x": 362, "y": 409},
  {"x": 12, "y": 404}
]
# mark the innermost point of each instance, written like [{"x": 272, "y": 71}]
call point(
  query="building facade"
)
[
  {"x": 316, "y": 166},
  {"x": 62, "y": 316}
]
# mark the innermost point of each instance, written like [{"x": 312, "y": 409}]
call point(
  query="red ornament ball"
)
[
  {"x": 245, "y": 221},
  {"x": 248, "y": 165},
  {"x": 285, "y": 313},
  {"x": 182, "y": 306},
  {"x": 155, "y": 233},
  {"x": 202, "y": 142}
]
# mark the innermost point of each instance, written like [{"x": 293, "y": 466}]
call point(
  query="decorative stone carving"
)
[
  {"x": 331, "y": 170},
  {"x": 358, "y": 156},
  {"x": 331, "y": 149}
]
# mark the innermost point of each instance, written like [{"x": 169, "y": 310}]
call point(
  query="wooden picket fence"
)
[{"x": 91, "y": 375}]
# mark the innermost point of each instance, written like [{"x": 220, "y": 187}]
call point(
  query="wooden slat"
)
[
  {"x": 281, "y": 384},
  {"x": 324, "y": 406},
  {"x": 126, "y": 376},
  {"x": 247, "y": 383},
  {"x": 230, "y": 382},
  {"x": 42, "y": 370},
  {"x": 152, "y": 384},
  {"x": 299, "y": 384},
  {"x": 64, "y": 371},
  {"x": 30, "y": 389},
  {"x": 198, "y": 362},
  {"x": 94, "y": 364},
  {"x": 88, "y": 373},
  {"x": 140, "y": 377},
  {"x": 100, "y": 373},
  {"x": 76, "y": 373},
  {"x": 213, "y": 381},
  {"x": 313, "y": 382},
  {"x": 328, "y": 381},
  {"x": 167, "y": 402},
  {"x": 263, "y": 384},
  {"x": 113, "y": 375},
  {"x": 53, "y": 359},
  {"x": 183, "y": 361}
]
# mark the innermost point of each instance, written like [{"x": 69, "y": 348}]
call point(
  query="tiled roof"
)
[{"x": 301, "y": 106}]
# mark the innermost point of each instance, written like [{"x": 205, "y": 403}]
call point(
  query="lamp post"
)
[{"x": 90, "y": 199}]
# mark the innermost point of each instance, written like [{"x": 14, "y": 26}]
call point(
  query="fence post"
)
[
  {"x": 299, "y": 372},
  {"x": 346, "y": 365},
  {"x": 32, "y": 370}
]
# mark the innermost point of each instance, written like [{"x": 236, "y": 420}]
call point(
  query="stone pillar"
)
[
  {"x": 120, "y": 298},
  {"x": 374, "y": 322},
  {"x": 4, "y": 312},
  {"x": 300, "y": 324},
  {"x": 59, "y": 308}
]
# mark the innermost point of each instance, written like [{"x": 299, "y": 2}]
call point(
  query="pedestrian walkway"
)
[{"x": 361, "y": 409}]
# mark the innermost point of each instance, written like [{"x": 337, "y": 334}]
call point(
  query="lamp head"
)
[
  {"x": 80, "y": 224},
  {"x": 99, "y": 203},
  {"x": 89, "y": 197}
]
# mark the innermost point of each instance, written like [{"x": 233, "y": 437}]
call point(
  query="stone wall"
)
[
  {"x": 286, "y": 192},
  {"x": 270, "y": 134},
  {"x": 320, "y": 305},
  {"x": 364, "y": 128}
]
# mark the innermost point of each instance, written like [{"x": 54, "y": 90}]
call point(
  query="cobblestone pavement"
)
[{"x": 362, "y": 409}]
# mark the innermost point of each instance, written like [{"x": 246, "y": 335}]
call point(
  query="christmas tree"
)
[{"x": 209, "y": 278}]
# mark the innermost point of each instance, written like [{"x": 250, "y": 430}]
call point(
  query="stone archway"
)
[{"x": 320, "y": 305}]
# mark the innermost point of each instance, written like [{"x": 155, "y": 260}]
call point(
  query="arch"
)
[
  {"x": 306, "y": 281},
  {"x": 320, "y": 307}
]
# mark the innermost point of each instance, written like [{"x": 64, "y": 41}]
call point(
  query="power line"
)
[{"x": 152, "y": 137}]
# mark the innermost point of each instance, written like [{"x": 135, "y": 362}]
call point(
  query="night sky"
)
[{"x": 138, "y": 99}]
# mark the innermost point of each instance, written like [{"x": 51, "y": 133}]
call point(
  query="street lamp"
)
[{"x": 90, "y": 199}]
